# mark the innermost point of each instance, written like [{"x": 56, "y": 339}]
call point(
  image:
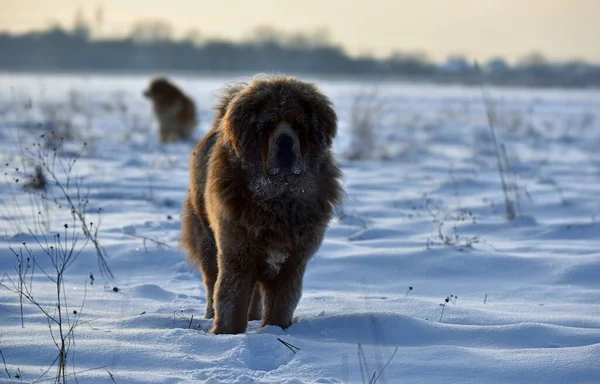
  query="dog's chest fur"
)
[
  {"x": 290, "y": 232},
  {"x": 275, "y": 259}
]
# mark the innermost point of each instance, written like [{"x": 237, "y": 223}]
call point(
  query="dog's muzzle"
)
[{"x": 285, "y": 151}]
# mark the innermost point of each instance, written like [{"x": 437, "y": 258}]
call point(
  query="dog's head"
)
[
  {"x": 280, "y": 127},
  {"x": 161, "y": 91}
]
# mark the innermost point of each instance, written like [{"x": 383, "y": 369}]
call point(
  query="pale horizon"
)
[{"x": 559, "y": 29}]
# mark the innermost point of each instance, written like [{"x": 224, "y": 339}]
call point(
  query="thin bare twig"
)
[
  {"x": 384, "y": 367},
  {"x": 291, "y": 347},
  {"x": 5, "y": 366}
]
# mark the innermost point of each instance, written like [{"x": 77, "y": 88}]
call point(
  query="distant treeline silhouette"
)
[{"x": 150, "y": 47}]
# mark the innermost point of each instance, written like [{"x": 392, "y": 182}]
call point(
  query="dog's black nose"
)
[{"x": 285, "y": 142}]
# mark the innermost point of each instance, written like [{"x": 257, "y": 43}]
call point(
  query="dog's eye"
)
[{"x": 266, "y": 126}]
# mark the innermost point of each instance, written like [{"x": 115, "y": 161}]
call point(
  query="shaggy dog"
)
[
  {"x": 176, "y": 113},
  {"x": 263, "y": 186}
]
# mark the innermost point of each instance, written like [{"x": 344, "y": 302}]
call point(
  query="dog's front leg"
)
[
  {"x": 232, "y": 295},
  {"x": 281, "y": 296}
]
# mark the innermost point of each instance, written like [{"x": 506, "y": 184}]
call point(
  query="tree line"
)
[{"x": 150, "y": 46}]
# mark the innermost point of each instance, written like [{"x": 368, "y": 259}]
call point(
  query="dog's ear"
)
[
  {"x": 326, "y": 118},
  {"x": 323, "y": 117},
  {"x": 239, "y": 117},
  {"x": 227, "y": 94}
]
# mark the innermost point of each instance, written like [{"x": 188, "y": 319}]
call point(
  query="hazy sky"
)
[{"x": 561, "y": 29}]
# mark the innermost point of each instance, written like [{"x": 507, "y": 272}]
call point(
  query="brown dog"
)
[
  {"x": 176, "y": 113},
  {"x": 263, "y": 187}
]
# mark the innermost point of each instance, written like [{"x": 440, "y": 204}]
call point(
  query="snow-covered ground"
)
[{"x": 523, "y": 295}]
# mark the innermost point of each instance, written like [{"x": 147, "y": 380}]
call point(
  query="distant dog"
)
[
  {"x": 176, "y": 113},
  {"x": 263, "y": 187}
]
